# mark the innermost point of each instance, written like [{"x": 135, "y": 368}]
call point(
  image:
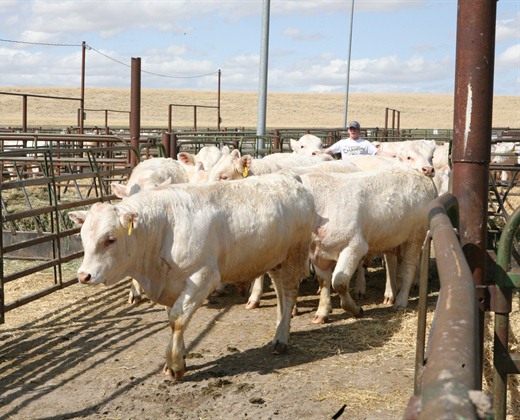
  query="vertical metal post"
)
[
  {"x": 170, "y": 118},
  {"x": 82, "y": 99},
  {"x": 24, "y": 113},
  {"x": 219, "y": 119},
  {"x": 348, "y": 65},
  {"x": 471, "y": 151},
  {"x": 262, "y": 85},
  {"x": 135, "y": 109},
  {"x": 194, "y": 117}
]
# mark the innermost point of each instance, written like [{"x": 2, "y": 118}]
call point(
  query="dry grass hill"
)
[{"x": 239, "y": 109}]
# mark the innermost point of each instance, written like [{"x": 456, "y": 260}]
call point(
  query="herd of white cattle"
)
[
  {"x": 182, "y": 234},
  {"x": 505, "y": 153}
]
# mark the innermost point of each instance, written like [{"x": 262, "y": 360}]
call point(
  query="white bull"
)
[
  {"x": 149, "y": 174},
  {"x": 153, "y": 172},
  {"x": 181, "y": 241},
  {"x": 308, "y": 144},
  {"x": 364, "y": 213},
  {"x": 233, "y": 166}
]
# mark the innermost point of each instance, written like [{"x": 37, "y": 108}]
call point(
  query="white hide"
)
[
  {"x": 366, "y": 213},
  {"x": 149, "y": 174},
  {"x": 441, "y": 156},
  {"x": 287, "y": 160},
  {"x": 181, "y": 241},
  {"x": 504, "y": 154},
  {"x": 233, "y": 166},
  {"x": 410, "y": 156},
  {"x": 307, "y": 144},
  {"x": 197, "y": 166}
]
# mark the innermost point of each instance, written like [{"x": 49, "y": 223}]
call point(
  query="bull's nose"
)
[
  {"x": 429, "y": 171},
  {"x": 83, "y": 277}
]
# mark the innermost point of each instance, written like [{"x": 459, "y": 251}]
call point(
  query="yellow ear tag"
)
[
  {"x": 245, "y": 172},
  {"x": 130, "y": 227}
]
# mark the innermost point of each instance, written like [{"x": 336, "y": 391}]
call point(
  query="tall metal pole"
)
[
  {"x": 348, "y": 65},
  {"x": 135, "y": 109},
  {"x": 219, "y": 119},
  {"x": 262, "y": 85},
  {"x": 82, "y": 101},
  {"x": 471, "y": 151}
]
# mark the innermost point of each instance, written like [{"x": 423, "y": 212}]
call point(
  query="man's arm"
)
[{"x": 328, "y": 151}]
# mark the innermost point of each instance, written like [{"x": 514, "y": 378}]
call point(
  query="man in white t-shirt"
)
[{"x": 355, "y": 145}]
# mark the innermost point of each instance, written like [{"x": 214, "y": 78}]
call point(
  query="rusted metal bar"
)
[
  {"x": 24, "y": 114},
  {"x": 471, "y": 149},
  {"x": 421, "y": 313},
  {"x": 451, "y": 366},
  {"x": 135, "y": 108}
]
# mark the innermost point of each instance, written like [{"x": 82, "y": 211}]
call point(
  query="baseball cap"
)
[{"x": 354, "y": 124}]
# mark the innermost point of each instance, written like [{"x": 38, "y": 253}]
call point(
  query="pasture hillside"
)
[{"x": 239, "y": 109}]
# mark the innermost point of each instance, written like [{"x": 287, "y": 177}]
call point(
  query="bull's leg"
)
[
  {"x": 286, "y": 288},
  {"x": 391, "y": 278},
  {"x": 412, "y": 251},
  {"x": 220, "y": 290},
  {"x": 257, "y": 290},
  {"x": 325, "y": 305},
  {"x": 286, "y": 280},
  {"x": 196, "y": 290},
  {"x": 361, "y": 285},
  {"x": 349, "y": 259},
  {"x": 136, "y": 293}
]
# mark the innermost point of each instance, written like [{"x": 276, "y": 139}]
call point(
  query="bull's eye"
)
[
  {"x": 109, "y": 241},
  {"x": 409, "y": 158},
  {"x": 223, "y": 177}
]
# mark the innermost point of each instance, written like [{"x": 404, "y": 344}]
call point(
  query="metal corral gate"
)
[{"x": 53, "y": 176}]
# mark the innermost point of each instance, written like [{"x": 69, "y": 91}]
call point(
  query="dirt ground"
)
[{"x": 83, "y": 352}]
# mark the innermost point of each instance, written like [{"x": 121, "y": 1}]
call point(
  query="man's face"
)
[{"x": 353, "y": 132}]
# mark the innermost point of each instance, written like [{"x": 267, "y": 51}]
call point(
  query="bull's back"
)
[
  {"x": 244, "y": 227},
  {"x": 385, "y": 207}
]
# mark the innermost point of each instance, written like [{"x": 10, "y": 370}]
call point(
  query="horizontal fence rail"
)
[{"x": 447, "y": 374}]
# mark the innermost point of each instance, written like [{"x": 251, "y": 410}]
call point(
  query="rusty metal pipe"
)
[
  {"x": 472, "y": 133},
  {"x": 451, "y": 364},
  {"x": 135, "y": 108}
]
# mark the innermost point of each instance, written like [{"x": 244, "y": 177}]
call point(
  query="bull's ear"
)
[
  {"x": 247, "y": 160},
  {"x": 235, "y": 153},
  {"x": 294, "y": 145},
  {"x": 186, "y": 158},
  {"x": 129, "y": 220},
  {"x": 78, "y": 217},
  {"x": 225, "y": 150},
  {"x": 119, "y": 190}
]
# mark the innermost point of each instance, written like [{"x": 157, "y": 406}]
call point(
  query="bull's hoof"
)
[
  {"x": 134, "y": 300},
  {"x": 175, "y": 376},
  {"x": 279, "y": 348},
  {"x": 359, "y": 295},
  {"x": 388, "y": 301},
  {"x": 318, "y": 319},
  {"x": 360, "y": 313},
  {"x": 252, "y": 305},
  {"x": 294, "y": 311}
]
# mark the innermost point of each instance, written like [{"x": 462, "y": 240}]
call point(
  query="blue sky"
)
[{"x": 398, "y": 46}]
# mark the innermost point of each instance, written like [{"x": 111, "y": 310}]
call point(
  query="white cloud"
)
[
  {"x": 508, "y": 29},
  {"x": 510, "y": 57}
]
